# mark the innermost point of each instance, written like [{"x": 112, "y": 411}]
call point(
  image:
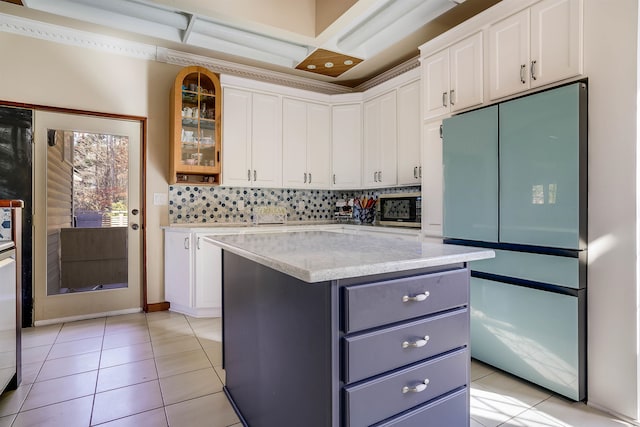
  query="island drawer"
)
[
  {"x": 449, "y": 410},
  {"x": 376, "y": 304},
  {"x": 371, "y": 353},
  {"x": 382, "y": 397}
]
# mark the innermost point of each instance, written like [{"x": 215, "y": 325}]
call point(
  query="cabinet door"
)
[
  {"x": 208, "y": 274},
  {"x": 347, "y": 146},
  {"x": 294, "y": 143},
  {"x": 236, "y": 137},
  {"x": 178, "y": 268},
  {"x": 466, "y": 86},
  {"x": 388, "y": 140},
  {"x": 435, "y": 75},
  {"x": 509, "y": 55},
  {"x": 409, "y": 165},
  {"x": 266, "y": 140},
  {"x": 470, "y": 152},
  {"x": 556, "y": 41},
  {"x": 540, "y": 169},
  {"x": 372, "y": 141},
  {"x": 319, "y": 146},
  {"x": 432, "y": 180}
]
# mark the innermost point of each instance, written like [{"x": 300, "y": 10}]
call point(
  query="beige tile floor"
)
[{"x": 164, "y": 369}]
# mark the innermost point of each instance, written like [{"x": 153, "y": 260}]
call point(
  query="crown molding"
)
[
  {"x": 73, "y": 37},
  {"x": 58, "y": 34}
]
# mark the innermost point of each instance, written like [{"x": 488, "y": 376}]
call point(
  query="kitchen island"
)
[{"x": 324, "y": 328}]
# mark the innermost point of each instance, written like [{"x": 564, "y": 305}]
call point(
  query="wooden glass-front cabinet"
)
[{"x": 195, "y": 127}]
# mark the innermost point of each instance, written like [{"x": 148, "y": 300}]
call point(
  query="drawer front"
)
[
  {"x": 372, "y": 353},
  {"x": 448, "y": 411},
  {"x": 380, "y": 303},
  {"x": 383, "y": 397},
  {"x": 556, "y": 270}
]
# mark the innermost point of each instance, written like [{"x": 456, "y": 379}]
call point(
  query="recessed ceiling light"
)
[
  {"x": 348, "y": 62},
  {"x": 328, "y": 64},
  {"x": 311, "y": 67}
]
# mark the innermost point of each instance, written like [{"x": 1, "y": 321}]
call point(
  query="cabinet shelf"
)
[{"x": 195, "y": 141}]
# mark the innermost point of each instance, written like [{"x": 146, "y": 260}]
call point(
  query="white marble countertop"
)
[{"x": 320, "y": 255}]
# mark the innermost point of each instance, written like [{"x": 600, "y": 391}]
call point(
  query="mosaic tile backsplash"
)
[
  {"x": 192, "y": 204},
  {"x": 5, "y": 224}
]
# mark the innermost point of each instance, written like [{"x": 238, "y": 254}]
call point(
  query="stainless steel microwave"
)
[{"x": 400, "y": 209}]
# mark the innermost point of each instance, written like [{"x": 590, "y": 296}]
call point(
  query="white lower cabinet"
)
[{"x": 192, "y": 274}]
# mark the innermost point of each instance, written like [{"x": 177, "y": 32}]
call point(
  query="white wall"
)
[
  {"x": 40, "y": 72},
  {"x": 611, "y": 56}
]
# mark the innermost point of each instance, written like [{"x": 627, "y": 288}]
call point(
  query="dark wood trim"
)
[
  {"x": 11, "y": 204},
  {"x": 18, "y": 2},
  {"x": 158, "y": 306},
  {"x": 143, "y": 165}
]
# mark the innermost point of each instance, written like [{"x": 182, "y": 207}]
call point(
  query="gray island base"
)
[{"x": 327, "y": 329}]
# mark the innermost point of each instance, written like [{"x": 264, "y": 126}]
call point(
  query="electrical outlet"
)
[{"x": 160, "y": 199}]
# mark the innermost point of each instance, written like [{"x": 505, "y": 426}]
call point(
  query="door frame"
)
[{"x": 143, "y": 171}]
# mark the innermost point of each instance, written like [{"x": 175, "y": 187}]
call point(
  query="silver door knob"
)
[
  {"x": 134, "y": 226},
  {"x": 135, "y": 212}
]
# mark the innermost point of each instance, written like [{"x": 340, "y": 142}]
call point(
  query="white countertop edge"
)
[{"x": 355, "y": 271}]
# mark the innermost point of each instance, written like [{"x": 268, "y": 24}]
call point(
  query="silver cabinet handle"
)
[
  {"x": 309, "y": 177},
  {"x": 415, "y": 171},
  {"x": 334, "y": 179},
  {"x": 375, "y": 176},
  {"x": 417, "y": 343},
  {"x": 198, "y": 243},
  {"x": 416, "y": 388},
  {"x": 419, "y": 171},
  {"x": 380, "y": 176},
  {"x": 533, "y": 70},
  {"x": 248, "y": 174},
  {"x": 451, "y": 92},
  {"x": 444, "y": 99},
  {"x": 305, "y": 177},
  {"x": 255, "y": 175},
  {"x": 523, "y": 69},
  {"x": 186, "y": 243},
  {"x": 416, "y": 298}
]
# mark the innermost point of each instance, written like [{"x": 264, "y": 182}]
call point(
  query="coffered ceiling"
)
[{"x": 339, "y": 41}]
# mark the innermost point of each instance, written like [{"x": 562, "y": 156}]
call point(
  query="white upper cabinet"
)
[
  {"x": 252, "y": 137},
  {"x": 306, "y": 139},
  {"x": 432, "y": 179},
  {"x": 380, "y": 141},
  {"x": 409, "y": 161},
  {"x": 538, "y": 46},
  {"x": 347, "y": 146},
  {"x": 453, "y": 78}
]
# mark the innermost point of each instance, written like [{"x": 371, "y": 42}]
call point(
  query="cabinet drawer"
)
[
  {"x": 450, "y": 410},
  {"x": 385, "y": 396},
  {"x": 372, "y": 353},
  {"x": 556, "y": 270},
  {"x": 377, "y": 304}
]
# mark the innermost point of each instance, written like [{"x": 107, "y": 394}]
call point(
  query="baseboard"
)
[
  {"x": 85, "y": 317},
  {"x": 158, "y": 306}
]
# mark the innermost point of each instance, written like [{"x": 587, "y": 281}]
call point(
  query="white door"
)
[
  {"x": 87, "y": 216},
  {"x": 509, "y": 55},
  {"x": 266, "y": 140},
  {"x": 294, "y": 143},
  {"x": 178, "y": 267},
  {"x": 409, "y": 134},
  {"x": 346, "y": 152},
  {"x": 432, "y": 180},
  {"x": 435, "y": 75},
  {"x": 556, "y": 46},
  {"x": 236, "y": 138},
  {"x": 388, "y": 140},
  {"x": 372, "y": 141},
  {"x": 319, "y": 145},
  {"x": 466, "y": 73}
]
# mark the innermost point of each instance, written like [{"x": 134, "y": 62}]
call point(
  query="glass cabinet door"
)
[{"x": 195, "y": 134}]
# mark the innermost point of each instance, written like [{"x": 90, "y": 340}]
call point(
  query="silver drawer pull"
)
[
  {"x": 417, "y": 388},
  {"x": 416, "y": 298},
  {"x": 417, "y": 343}
]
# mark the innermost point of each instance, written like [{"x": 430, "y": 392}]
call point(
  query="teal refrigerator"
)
[{"x": 515, "y": 180}]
